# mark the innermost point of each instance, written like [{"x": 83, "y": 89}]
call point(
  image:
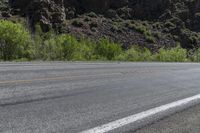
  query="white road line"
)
[{"x": 136, "y": 117}]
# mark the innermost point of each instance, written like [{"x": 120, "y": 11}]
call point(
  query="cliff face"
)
[
  {"x": 178, "y": 20},
  {"x": 53, "y": 12},
  {"x": 142, "y": 9}
]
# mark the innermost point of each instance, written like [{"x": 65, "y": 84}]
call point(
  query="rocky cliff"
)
[
  {"x": 48, "y": 11},
  {"x": 145, "y": 22}
]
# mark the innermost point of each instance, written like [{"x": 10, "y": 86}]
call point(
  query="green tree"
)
[{"x": 15, "y": 41}]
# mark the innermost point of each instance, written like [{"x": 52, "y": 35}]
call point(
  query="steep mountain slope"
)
[{"x": 151, "y": 24}]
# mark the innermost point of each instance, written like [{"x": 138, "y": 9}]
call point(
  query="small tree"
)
[{"x": 15, "y": 41}]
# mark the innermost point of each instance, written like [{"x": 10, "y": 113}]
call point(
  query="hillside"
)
[{"x": 151, "y": 24}]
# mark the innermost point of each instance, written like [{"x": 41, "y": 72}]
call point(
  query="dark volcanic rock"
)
[
  {"x": 148, "y": 9},
  {"x": 179, "y": 19},
  {"x": 140, "y": 8},
  {"x": 4, "y": 9},
  {"x": 48, "y": 13}
]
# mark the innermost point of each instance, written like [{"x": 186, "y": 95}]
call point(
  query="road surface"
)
[
  {"x": 187, "y": 121},
  {"x": 56, "y": 97}
]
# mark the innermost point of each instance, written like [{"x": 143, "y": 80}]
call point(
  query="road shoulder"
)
[{"x": 187, "y": 121}]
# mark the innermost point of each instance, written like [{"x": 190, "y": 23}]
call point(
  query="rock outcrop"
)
[
  {"x": 46, "y": 10},
  {"x": 51, "y": 13},
  {"x": 48, "y": 13},
  {"x": 4, "y": 9},
  {"x": 176, "y": 19}
]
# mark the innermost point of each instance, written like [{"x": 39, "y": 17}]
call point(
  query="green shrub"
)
[
  {"x": 143, "y": 29},
  {"x": 49, "y": 46},
  {"x": 135, "y": 53},
  {"x": 41, "y": 42},
  {"x": 87, "y": 49},
  {"x": 77, "y": 23},
  {"x": 140, "y": 28},
  {"x": 107, "y": 50},
  {"x": 52, "y": 50},
  {"x": 149, "y": 39},
  {"x": 176, "y": 54},
  {"x": 70, "y": 46},
  {"x": 72, "y": 49},
  {"x": 92, "y": 14},
  {"x": 158, "y": 34},
  {"x": 15, "y": 41},
  {"x": 87, "y": 19},
  {"x": 195, "y": 55},
  {"x": 169, "y": 25},
  {"x": 16, "y": 44}
]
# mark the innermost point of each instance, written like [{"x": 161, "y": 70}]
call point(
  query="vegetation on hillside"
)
[{"x": 16, "y": 43}]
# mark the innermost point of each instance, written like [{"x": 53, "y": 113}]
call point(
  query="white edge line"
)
[{"x": 136, "y": 117}]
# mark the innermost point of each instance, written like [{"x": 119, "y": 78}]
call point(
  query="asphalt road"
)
[
  {"x": 73, "y": 97},
  {"x": 187, "y": 121}
]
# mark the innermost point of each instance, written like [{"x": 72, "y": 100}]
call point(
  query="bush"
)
[
  {"x": 49, "y": 46},
  {"x": 16, "y": 44},
  {"x": 176, "y": 54},
  {"x": 15, "y": 41},
  {"x": 87, "y": 49},
  {"x": 77, "y": 23},
  {"x": 195, "y": 55},
  {"x": 92, "y": 14},
  {"x": 106, "y": 49},
  {"x": 143, "y": 29},
  {"x": 135, "y": 53},
  {"x": 42, "y": 42},
  {"x": 72, "y": 49},
  {"x": 52, "y": 50}
]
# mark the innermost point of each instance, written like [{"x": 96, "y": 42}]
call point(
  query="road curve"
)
[{"x": 74, "y": 97}]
